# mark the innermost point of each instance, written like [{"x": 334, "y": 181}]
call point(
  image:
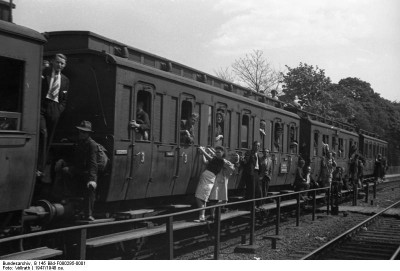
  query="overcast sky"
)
[{"x": 346, "y": 38}]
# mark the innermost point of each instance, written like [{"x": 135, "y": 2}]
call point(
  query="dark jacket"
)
[
  {"x": 86, "y": 159},
  {"x": 63, "y": 94}
]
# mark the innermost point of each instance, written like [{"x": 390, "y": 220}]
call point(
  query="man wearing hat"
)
[{"x": 85, "y": 169}]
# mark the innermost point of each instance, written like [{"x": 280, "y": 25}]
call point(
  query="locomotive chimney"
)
[{"x": 6, "y": 10}]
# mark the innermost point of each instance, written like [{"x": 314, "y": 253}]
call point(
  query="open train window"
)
[
  {"x": 189, "y": 122},
  {"x": 11, "y": 82},
  {"x": 340, "y": 148},
  {"x": 245, "y": 131},
  {"x": 292, "y": 139},
  {"x": 334, "y": 143},
  {"x": 325, "y": 140},
  {"x": 366, "y": 154},
  {"x": 143, "y": 115},
  {"x": 209, "y": 125},
  {"x": 278, "y": 136},
  {"x": 263, "y": 133},
  {"x": 220, "y": 123},
  {"x": 315, "y": 143}
]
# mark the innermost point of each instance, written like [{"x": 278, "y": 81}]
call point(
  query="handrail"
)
[
  {"x": 318, "y": 250},
  {"x": 133, "y": 220},
  {"x": 82, "y": 230}
]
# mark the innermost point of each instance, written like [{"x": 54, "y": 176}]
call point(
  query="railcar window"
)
[
  {"x": 374, "y": 150},
  {"x": 188, "y": 125},
  {"x": 209, "y": 125},
  {"x": 341, "y": 148},
  {"x": 228, "y": 125},
  {"x": 263, "y": 133},
  {"x": 334, "y": 143},
  {"x": 220, "y": 120},
  {"x": 143, "y": 115},
  {"x": 292, "y": 139},
  {"x": 197, "y": 110},
  {"x": 278, "y": 136},
  {"x": 316, "y": 141},
  {"x": 325, "y": 140},
  {"x": 11, "y": 82},
  {"x": 245, "y": 131},
  {"x": 371, "y": 155},
  {"x": 366, "y": 154}
]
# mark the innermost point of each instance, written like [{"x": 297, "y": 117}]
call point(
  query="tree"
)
[
  {"x": 305, "y": 81},
  {"x": 255, "y": 72},
  {"x": 225, "y": 74}
]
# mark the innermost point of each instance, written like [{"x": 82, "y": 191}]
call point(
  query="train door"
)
[
  {"x": 186, "y": 150},
  {"x": 315, "y": 151},
  {"x": 141, "y": 134},
  {"x": 277, "y": 150}
]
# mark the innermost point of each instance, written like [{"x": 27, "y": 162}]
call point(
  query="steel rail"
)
[{"x": 339, "y": 238}]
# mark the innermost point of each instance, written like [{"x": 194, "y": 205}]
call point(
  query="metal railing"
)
[{"x": 80, "y": 232}]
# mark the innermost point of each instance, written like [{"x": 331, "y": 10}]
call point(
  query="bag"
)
[{"x": 102, "y": 158}]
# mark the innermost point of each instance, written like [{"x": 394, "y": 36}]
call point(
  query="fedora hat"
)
[{"x": 85, "y": 126}]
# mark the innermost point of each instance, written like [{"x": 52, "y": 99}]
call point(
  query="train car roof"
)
[
  {"x": 331, "y": 127},
  {"x": 128, "y": 56},
  {"x": 373, "y": 138},
  {"x": 21, "y": 31}
]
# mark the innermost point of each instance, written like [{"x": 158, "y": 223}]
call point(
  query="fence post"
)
[
  {"x": 298, "y": 210},
  {"x": 170, "y": 237},
  {"x": 328, "y": 192},
  {"x": 314, "y": 204},
  {"x": 252, "y": 222},
  {"x": 278, "y": 214},
  {"x": 375, "y": 189},
  {"x": 366, "y": 191},
  {"x": 82, "y": 244},
  {"x": 217, "y": 233}
]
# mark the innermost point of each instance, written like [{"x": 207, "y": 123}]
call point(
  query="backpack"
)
[{"x": 102, "y": 158}]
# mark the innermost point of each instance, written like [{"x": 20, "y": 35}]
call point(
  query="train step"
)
[
  {"x": 96, "y": 221},
  {"x": 146, "y": 232},
  {"x": 33, "y": 254},
  {"x": 134, "y": 214}
]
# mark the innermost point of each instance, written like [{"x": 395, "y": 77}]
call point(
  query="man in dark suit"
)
[
  {"x": 251, "y": 169},
  {"x": 55, "y": 88}
]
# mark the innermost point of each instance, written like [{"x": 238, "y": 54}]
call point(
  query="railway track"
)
[{"x": 376, "y": 238}]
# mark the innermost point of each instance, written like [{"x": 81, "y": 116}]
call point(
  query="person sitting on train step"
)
[
  {"x": 142, "y": 122},
  {"x": 207, "y": 178},
  {"x": 187, "y": 129},
  {"x": 55, "y": 86},
  {"x": 84, "y": 169}
]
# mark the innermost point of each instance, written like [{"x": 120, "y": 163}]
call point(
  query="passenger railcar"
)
[
  {"x": 108, "y": 79},
  {"x": 21, "y": 54},
  {"x": 370, "y": 146}
]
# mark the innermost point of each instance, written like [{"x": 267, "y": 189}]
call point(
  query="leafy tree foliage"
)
[{"x": 351, "y": 100}]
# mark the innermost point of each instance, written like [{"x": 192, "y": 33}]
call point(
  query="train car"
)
[
  {"x": 108, "y": 79},
  {"x": 21, "y": 54},
  {"x": 370, "y": 147},
  {"x": 316, "y": 131}
]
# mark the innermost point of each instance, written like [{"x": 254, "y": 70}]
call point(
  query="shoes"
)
[
  {"x": 90, "y": 218},
  {"x": 201, "y": 219}
]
